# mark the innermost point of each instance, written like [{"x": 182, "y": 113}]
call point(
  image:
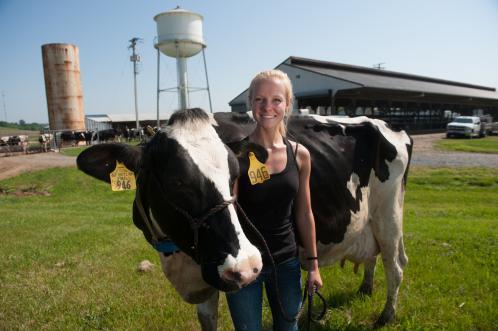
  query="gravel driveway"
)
[
  {"x": 11, "y": 166},
  {"x": 424, "y": 154}
]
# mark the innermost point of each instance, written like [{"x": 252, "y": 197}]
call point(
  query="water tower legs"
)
[{"x": 181, "y": 66}]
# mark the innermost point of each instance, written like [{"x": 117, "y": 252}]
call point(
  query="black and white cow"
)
[
  {"x": 358, "y": 177},
  {"x": 183, "y": 173},
  {"x": 359, "y": 168}
]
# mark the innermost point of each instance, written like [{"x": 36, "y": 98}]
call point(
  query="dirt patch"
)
[
  {"x": 25, "y": 191},
  {"x": 14, "y": 165},
  {"x": 425, "y": 154},
  {"x": 425, "y": 142}
]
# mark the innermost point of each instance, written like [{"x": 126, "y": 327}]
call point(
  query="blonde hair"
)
[{"x": 276, "y": 75}]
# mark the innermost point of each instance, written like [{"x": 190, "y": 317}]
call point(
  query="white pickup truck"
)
[{"x": 464, "y": 126}]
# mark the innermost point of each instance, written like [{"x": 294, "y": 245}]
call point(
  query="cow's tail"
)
[{"x": 409, "y": 149}]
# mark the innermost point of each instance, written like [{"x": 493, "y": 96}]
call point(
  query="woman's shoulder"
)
[{"x": 301, "y": 152}]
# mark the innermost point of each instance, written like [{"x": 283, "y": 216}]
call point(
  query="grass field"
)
[
  {"x": 73, "y": 151},
  {"x": 32, "y": 135},
  {"x": 481, "y": 145},
  {"x": 69, "y": 253}
]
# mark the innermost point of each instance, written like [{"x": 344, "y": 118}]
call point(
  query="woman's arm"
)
[{"x": 305, "y": 220}]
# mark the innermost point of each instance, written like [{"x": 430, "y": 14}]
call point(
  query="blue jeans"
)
[{"x": 246, "y": 304}]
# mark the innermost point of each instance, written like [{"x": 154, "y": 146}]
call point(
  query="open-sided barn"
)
[{"x": 406, "y": 101}]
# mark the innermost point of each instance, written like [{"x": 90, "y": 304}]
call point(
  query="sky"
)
[{"x": 448, "y": 39}]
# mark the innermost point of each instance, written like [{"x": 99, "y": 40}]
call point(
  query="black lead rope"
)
[{"x": 275, "y": 279}]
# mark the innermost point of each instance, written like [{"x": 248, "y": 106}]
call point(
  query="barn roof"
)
[
  {"x": 391, "y": 80},
  {"x": 376, "y": 79}
]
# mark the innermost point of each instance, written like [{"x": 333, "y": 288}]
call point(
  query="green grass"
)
[
  {"x": 69, "y": 254},
  {"x": 479, "y": 145},
  {"x": 4, "y": 131},
  {"x": 73, "y": 151}
]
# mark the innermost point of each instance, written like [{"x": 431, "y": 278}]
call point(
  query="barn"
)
[
  {"x": 123, "y": 121},
  {"x": 411, "y": 102}
]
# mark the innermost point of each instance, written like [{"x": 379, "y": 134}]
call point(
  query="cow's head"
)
[{"x": 186, "y": 169}]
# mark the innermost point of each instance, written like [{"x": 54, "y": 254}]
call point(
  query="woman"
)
[{"x": 269, "y": 200}]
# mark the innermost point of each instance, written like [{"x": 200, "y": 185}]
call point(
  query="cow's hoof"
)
[
  {"x": 386, "y": 317},
  {"x": 365, "y": 289}
]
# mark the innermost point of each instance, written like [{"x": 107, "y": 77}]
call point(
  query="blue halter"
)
[{"x": 166, "y": 246}]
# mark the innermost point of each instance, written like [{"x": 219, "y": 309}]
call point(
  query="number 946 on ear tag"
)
[
  {"x": 258, "y": 172},
  {"x": 122, "y": 178}
]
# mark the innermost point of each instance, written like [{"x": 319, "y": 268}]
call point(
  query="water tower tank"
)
[
  {"x": 179, "y": 33},
  {"x": 61, "y": 67}
]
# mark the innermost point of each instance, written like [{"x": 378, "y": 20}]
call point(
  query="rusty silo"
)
[{"x": 61, "y": 66}]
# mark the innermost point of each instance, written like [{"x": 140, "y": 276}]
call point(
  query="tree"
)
[{"x": 22, "y": 122}]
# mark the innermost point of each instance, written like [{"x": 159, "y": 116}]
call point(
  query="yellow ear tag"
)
[
  {"x": 258, "y": 172},
  {"x": 122, "y": 178}
]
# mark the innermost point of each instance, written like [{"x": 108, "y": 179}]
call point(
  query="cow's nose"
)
[{"x": 241, "y": 277}]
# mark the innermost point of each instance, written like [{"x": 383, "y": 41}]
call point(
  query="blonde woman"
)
[{"x": 278, "y": 203}]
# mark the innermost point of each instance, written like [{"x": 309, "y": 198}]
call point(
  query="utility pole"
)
[
  {"x": 135, "y": 58},
  {"x": 4, "y": 107},
  {"x": 379, "y": 66}
]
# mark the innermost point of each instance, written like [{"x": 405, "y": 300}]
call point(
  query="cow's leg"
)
[
  {"x": 366, "y": 287},
  {"x": 389, "y": 236},
  {"x": 207, "y": 313}
]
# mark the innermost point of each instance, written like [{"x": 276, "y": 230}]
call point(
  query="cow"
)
[
  {"x": 358, "y": 176},
  {"x": 184, "y": 179},
  {"x": 107, "y": 135},
  {"x": 70, "y": 138},
  {"x": 44, "y": 140}
]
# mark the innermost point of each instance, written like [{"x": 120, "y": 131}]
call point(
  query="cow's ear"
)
[{"x": 100, "y": 160}]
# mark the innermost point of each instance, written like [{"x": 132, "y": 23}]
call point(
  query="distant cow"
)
[
  {"x": 359, "y": 169},
  {"x": 88, "y": 137},
  {"x": 107, "y": 135},
  {"x": 44, "y": 140},
  {"x": 4, "y": 140},
  {"x": 67, "y": 137}
]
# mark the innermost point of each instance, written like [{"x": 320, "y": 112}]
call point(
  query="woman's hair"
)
[{"x": 277, "y": 75}]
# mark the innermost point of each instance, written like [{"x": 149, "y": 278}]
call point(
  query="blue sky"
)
[{"x": 449, "y": 39}]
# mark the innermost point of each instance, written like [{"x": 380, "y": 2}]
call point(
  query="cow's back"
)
[{"x": 350, "y": 161}]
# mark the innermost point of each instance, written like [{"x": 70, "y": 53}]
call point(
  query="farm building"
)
[
  {"x": 122, "y": 121},
  {"x": 407, "y": 101}
]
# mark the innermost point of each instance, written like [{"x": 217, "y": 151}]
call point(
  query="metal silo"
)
[{"x": 61, "y": 67}]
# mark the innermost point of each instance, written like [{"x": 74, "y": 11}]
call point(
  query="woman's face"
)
[{"x": 269, "y": 103}]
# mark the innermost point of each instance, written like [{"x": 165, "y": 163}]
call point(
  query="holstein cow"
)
[
  {"x": 358, "y": 174},
  {"x": 184, "y": 179}
]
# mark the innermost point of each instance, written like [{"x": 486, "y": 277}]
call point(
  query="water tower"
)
[{"x": 179, "y": 35}]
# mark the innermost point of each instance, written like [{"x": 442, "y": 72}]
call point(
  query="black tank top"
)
[{"x": 269, "y": 207}]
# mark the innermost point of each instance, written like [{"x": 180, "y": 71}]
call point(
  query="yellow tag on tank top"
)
[
  {"x": 258, "y": 172},
  {"x": 122, "y": 178}
]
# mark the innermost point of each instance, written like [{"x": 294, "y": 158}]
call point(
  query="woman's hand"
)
[{"x": 314, "y": 280}]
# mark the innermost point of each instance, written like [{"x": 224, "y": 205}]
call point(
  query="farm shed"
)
[
  {"x": 121, "y": 121},
  {"x": 411, "y": 102}
]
